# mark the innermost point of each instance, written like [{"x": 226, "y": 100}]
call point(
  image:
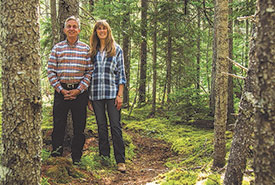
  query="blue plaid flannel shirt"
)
[{"x": 108, "y": 74}]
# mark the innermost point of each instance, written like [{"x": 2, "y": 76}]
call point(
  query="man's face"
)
[{"x": 71, "y": 30}]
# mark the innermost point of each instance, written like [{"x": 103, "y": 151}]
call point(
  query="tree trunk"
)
[
  {"x": 198, "y": 49},
  {"x": 230, "y": 108},
  {"x": 21, "y": 116},
  {"x": 54, "y": 22},
  {"x": 67, "y": 8},
  {"x": 264, "y": 161},
  {"x": 154, "y": 93},
  {"x": 143, "y": 57},
  {"x": 213, "y": 73},
  {"x": 221, "y": 13},
  {"x": 126, "y": 44},
  {"x": 169, "y": 61},
  {"x": 245, "y": 123}
]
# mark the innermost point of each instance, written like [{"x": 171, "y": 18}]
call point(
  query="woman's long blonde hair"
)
[{"x": 95, "y": 42}]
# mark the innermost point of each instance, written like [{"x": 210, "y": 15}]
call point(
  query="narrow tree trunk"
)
[
  {"x": 169, "y": 62},
  {"x": 213, "y": 73},
  {"x": 244, "y": 126},
  {"x": 143, "y": 57},
  {"x": 154, "y": 93},
  {"x": 126, "y": 44},
  {"x": 54, "y": 22},
  {"x": 264, "y": 161},
  {"x": 198, "y": 49},
  {"x": 230, "y": 108},
  {"x": 221, "y": 13},
  {"x": 21, "y": 116}
]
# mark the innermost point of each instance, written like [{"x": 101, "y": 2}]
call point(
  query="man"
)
[{"x": 69, "y": 72}]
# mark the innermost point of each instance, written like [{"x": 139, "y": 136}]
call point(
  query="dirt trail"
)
[{"x": 151, "y": 154}]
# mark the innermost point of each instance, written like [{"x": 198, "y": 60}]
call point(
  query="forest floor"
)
[{"x": 149, "y": 162}]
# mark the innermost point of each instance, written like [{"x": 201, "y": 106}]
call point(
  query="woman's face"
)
[{"x": 102, "y": 32}]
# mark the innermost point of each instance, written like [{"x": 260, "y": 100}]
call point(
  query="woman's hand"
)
[
  {"x": 90, "y": 106},
  {"x": 118, "y": 102}
]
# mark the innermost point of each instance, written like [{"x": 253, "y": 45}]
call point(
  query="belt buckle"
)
[{"x": 70, "y": 86}]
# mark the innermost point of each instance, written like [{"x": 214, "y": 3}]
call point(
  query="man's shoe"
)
[{"x": 121, "y": 167}]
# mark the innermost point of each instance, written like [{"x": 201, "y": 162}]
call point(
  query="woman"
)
[{"x": 106, "y": 90}]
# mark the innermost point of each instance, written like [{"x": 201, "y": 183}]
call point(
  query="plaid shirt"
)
[
  {"x": 70, "y": 65},
  {"x": 108, "y": 73}
]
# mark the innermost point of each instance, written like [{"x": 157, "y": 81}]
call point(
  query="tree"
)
[
  {"x": 21, "y": 117},
  {"x": 244, "y": 126},
  {"x": 220, "y": 118},
  {"x": 67, "y": 8},
  {"x": 264, "y": 160},
  {"x": 126, "y": 52},
  {"x": 230, "y": 66},
  {"x": 154, "y": 93},
  {"x": 54, "y": 22},
  {"x": 143, "y": 49}
]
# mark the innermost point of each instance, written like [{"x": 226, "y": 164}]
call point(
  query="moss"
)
[
  {"x": 62, "y": 171},
  {"x": 213, "y": 179},
  {"x": 180, "y": 177}
]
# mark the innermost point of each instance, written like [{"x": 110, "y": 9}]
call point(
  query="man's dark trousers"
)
[{"x": 61, "y": 108}]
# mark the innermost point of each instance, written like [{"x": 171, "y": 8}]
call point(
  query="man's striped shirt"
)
[{"x": 70, "y": 65}]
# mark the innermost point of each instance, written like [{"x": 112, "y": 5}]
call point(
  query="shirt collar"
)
[{"x": 77, "y": 41}]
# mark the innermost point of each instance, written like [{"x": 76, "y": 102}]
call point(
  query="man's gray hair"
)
[{"x": 72, "y": 18}]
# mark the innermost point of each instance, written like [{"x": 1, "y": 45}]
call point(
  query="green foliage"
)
[
  {"x": 213, "y": 179},
  {"x": 45, "y": 155},
  {"x": 180, "y": 177},
  {"x": 44, "y": 181}
]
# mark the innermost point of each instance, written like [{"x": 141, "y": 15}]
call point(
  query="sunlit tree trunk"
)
[
  {"x": 220, "y": 118},
  {"x": 21, "y": 108},
  {"x": 143, "y": 57},
  {"x": 244, "y": 125},
  {"x": 264, "y": 161}
]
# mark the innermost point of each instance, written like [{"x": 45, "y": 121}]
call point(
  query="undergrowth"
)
[{"x": 193, "y": 146}]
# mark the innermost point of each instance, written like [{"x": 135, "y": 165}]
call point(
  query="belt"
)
[{"x": 69, "y": 86}]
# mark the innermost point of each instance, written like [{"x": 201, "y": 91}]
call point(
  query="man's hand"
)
[
  {"x": 71, "y": 94},
  {"x": 90, "y": 106}
]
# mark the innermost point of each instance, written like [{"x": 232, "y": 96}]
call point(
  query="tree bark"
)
[
  {"x": 264, "y": 161},
  {"x": 230, "y": 108},
  {"x": 154, "y": 90},
  {"x": 220, "y": 118},
  {"x": 54, "y": 22},
  {"x": 21, "y": 116},
  {"x": 126, "y": 51},
  {"x": 169, "y": 61},
  {"x": 244, "y": 125},
  {"x": 67, "y": 8},
  {"x": 143, "y": 57},
  {"x": 198, "y": 49},
  {"x": 213, "y": 72}
]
